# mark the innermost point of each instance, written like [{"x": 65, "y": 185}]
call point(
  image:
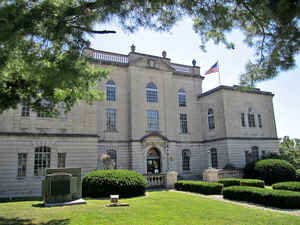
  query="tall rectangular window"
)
[
  {"x": 259, "y": 121},
  {"x": 243, "y": 120},
  {"x": 22, "y": 163},
  {"x": 251, "y": 120},
  {"x": 41, "y": 160},
  {"x": 183, "y": 123},
  {"x": 25, "y": 111},
  {"x": 111, "y": 116},
  {"x": 186, "y": 155},
  {"x": 214, "y": 158},
  {"x": 152, "y": 120},
  {"x": 61, "y": 160}
]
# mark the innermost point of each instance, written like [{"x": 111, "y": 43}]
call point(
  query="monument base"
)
[
  {"x": 75, "y": 202},
  {"x": 211, "y": 175}
]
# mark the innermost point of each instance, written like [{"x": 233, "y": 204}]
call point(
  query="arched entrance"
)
[{"x": 153, "y": 161}]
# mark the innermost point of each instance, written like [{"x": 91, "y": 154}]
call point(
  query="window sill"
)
[
  {"x": 151, "y": 131},
  {"x": 112, "y": 131},
  {"x": 187, "y": 133}
]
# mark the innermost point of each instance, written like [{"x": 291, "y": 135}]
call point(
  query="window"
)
[
  {"x": 183, "y": 123},
  {"x": 22, "y": 161},
  {"x": 113, "y": 157},
  {"x": 259, "y": 121},
  {"x": 181, "y": 98},
  {"x": 152, "y": 120},
  {"x": 111, "y": 119},
  {"x": 243, "y": 120},
  {"x": 110, "y": 91},
  {"x": 255, "y": 153},
  {"x": 211, "y": 119},
  {"x": 61, "y": 160},
  {"x": 41, "y": 160},
  {"x": 151, "y": 92},
  {"x": 214, "y": 158},
  {"x": 251, "y": 118},
  {"x": 25, "y": 111},
  {"x": 186, "y": 156},
  {"x": 252, "y": 155}
]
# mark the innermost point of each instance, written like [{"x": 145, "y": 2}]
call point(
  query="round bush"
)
[
  {"x": 297, "y": 175},
  {"x": 227, "y": 182},
  {"x": 102, "y": 183},
  {"x": 290, "y": 186},
  {"x": 252, "y": 183},
  {"x": 274, "y": 171}
]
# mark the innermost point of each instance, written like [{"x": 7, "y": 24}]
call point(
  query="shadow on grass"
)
[{"x": 18, "y": 221}]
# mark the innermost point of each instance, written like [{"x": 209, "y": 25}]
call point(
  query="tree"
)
[
  {"x": 42, "y": 42},
  {"x": 290, "y": 151}
]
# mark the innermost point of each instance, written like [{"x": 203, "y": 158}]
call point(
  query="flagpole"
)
[{"x": 219, "y": 73}]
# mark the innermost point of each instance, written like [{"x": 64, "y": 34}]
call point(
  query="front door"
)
[{"x": 153, "y": 161}]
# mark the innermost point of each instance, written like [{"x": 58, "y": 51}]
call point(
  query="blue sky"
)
[{"x": 182, "y": 46}]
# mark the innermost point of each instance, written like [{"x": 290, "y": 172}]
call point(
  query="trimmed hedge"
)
[
  {"x": 227, "y": 182},
  {"x": 276, "y": 198},
  {"x": 252, "y": 183},
  {"x": 102, "y": 183},
  {"x": 297, "y": 175},
  {"x": 274, "y": 171},
  {"x": 207, "y": 188},
  {"x": 291, "y": 186}
]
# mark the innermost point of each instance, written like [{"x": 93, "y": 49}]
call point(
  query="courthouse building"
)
[{"x": 155, "y": 118}]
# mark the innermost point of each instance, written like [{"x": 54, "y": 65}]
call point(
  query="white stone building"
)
[{"x": 155, "y": 118}]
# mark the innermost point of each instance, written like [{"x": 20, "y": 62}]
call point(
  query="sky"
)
[{"x": 182, "y": 46}]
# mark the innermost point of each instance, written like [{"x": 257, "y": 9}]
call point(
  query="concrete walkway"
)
[{"x": 295, "y": 212}]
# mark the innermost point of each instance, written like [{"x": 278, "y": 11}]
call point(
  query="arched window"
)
[
  {"x": 110, "y": 91},
  {"x": 186, "y": 156},
  {"x": 151, "y": 92},
  {"x": 181, "y": 98},
  {"x": 251, "y": 118},
  {"x": 211, "y": 119},
  {"x": 255, "y": 153},
  {"x": 113, "y": 156},
  {"x": 214, "y": 158},
  {"x": 42, "y": 158}
]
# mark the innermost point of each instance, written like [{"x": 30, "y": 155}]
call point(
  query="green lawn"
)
[{"x": 157, "y": 208}]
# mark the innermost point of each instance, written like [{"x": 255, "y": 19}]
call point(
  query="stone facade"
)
[{"x": 84, "y": 135}]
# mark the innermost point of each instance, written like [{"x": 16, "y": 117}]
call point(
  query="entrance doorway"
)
[{"x": 153, "y": 161}]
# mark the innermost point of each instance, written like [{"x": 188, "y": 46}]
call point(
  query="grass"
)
[{"x": 160, "y": 207}]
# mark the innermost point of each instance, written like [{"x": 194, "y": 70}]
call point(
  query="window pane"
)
[
  {"x": 211, "y": 119},
  {"x": 111, "y": 119},
  {"x": 183, "y": 123},
  {"x": 61, "y": 160},
  {"x": 152, "y": 120},
  {"x": 41, "y": 160},
  {"x": 22, "y": 162},
  {"x": 113, "y": 157},
  {"x": 181, "y": 98},
  {"x": 186, "y": 160},
  {"x": 251, "y": 120},
  {"x": 214, "y": 158},
  {"x": 151, "y": 93},
  {"x": 110, "y": 91},
  {"x": 243, "y": 119},
  {"x": 259, "y": 121},
  {"x": 255, "y": 153},
  {"x": 25, "y": 112}
]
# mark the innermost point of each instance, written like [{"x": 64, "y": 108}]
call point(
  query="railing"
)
[
  {"x": 236, "y": 173},
  {"x": 156, "y": 180},
  {"x": 106, "y": 56}
]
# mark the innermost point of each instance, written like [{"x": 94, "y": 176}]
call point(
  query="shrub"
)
[
  {"x": 102, "y": 183},
  {"x": 202, "y": 187},
  {"x": 274, "y": 171},
  {"x": 276, "y": 198},
  {"x": 227, "y": 182},
  {"x": 249, "y": 171},
  {"x": 297, "y": 175},
  {"x": 291, "y": 186},
  {"x": 252, "y": 183}
]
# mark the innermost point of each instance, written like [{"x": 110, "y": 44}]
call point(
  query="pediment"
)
[{"x": 152, "y": 63}]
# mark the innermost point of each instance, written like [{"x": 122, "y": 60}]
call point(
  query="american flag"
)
[{"x": 213, "y": 69}]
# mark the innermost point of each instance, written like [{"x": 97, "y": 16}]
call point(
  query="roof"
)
[{"x": 236, "y": 88}]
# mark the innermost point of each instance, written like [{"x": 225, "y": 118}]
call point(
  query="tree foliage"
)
[
  {"x": 42, "y": 41},
  {"x": 290, "y": 151}
]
